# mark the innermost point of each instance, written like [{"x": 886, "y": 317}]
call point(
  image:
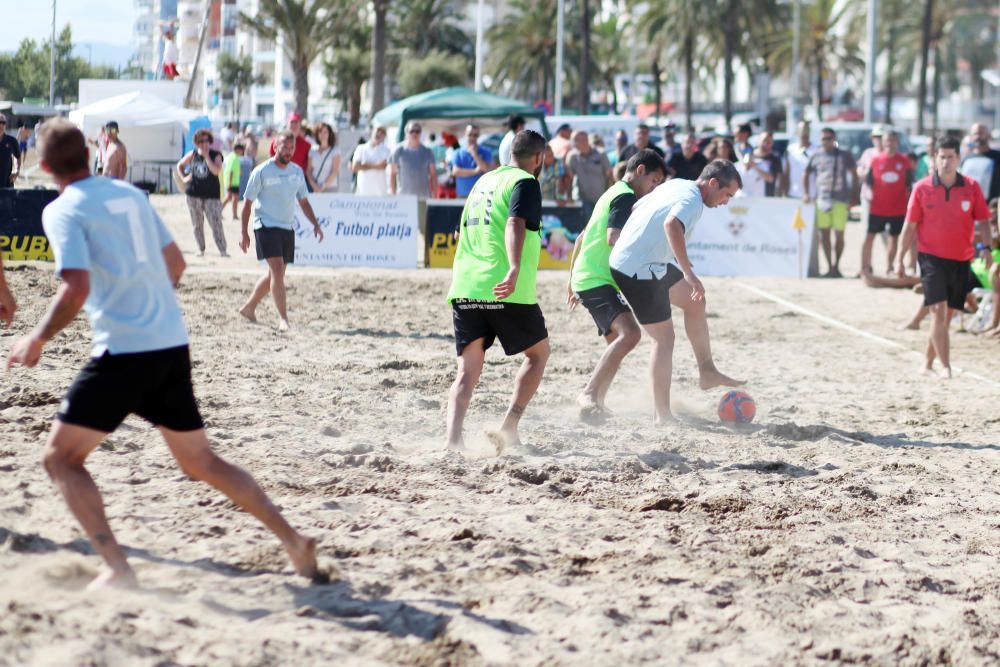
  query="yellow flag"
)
[{"x": 798, "y": 224}]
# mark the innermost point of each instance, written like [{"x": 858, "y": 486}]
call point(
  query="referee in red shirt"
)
[
  {"x": 942, "y": 212},
  {"x": 890, "y": 176}
]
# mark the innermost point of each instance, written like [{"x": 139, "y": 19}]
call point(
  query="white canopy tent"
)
[{"x": 151, "y": 129}]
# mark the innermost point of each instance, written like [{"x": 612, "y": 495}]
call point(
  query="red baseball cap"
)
[{"x": 294, "y": 116}]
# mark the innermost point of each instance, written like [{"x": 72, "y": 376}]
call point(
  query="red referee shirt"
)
[
  {"x": 890, "y": 178},
  {"x": 301, "y": 154},
  {"x": 946, "y": 217}
]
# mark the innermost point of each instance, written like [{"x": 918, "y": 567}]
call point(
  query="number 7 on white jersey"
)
[{"x": 128, "y": 207}]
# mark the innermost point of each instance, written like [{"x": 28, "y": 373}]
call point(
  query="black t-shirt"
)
[
  {"x": 689, "y": 170},
  {"x": 526, "y": 203},
  {"x": 204, "y": 184},
  {"x": 621, "y": 209},
  {"x": 774, "y": 168},
  {"x": 9, "y": 151},
  {"x": 632, "y": 149}
]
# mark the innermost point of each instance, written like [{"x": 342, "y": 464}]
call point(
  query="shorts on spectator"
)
[
  {"x": 835, "y": 218},
  {"x": 878, "y": 223}
]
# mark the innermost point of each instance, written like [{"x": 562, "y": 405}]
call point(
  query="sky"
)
[{"x": 108, "y": 21}]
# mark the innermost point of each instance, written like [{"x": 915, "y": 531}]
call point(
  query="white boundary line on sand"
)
[{"x": 854, "y": 330}]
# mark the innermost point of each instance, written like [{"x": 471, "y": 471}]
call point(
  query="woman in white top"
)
[{"x": 323, "y": 173}]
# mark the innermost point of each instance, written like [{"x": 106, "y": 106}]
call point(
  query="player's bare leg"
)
[
  {"x": 196, "y": 458},
  {"x": 65, "y": 452},
  {"x": 661, "y": 367},
  {"x": 529, "y": 377},
  {"x": 917, "y": 318},
  {"x": 826, "y": 244},
  {"x": 940, "y": 318},
  {"x": 624, "y": 336},
  {"x": 470, "y": 367},
  {"x": 696, "y": 328},
  {"x": 866, "y": 253},
  {"x": 838, "y": 252},
  {"x": 890, "y": 253},
  {"x": 273, "y": 281}
]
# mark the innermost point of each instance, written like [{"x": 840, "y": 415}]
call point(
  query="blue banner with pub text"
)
[{"x": 21, "y": 234}]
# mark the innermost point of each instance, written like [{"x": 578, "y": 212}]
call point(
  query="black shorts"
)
[
  {"x": 517, "y": 325},
  {"x": 604, "y": 304},
  {"x": 649, "y": 299},
  {"x": 944, "y": 280},
  {"x": 275, "y": 242},
  {"x": 878, "y": 223},
  {"x": 234, "y": 190},
  {"x": 154, "y": 385}
]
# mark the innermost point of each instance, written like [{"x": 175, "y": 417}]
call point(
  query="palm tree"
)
[
  {"x": 523, "y": 49},
  {"x": 610, "y": 54},
  {"x": 583, "y": 90},
  {"x": 348, "y": 69},
  {"x": 925, "y": 45},
  {"x": 676, "y": 17},
  {"x": 830, "y": 41},
  {"x": 237, "y": 75},
  {"x": 305, "y": 28},
  {"x": 900, "y": 34},
  {"x": 381, "y": 8},
  {"x": 430, "y": 25}
]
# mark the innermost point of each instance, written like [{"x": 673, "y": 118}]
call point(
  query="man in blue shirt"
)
[
  {"x": 470, "y": 162},
  {"x": 273, "y": 189},
  {"x": 117, "y": 260}
]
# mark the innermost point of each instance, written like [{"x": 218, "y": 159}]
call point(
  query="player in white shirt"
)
[{"x": 650, "y": 264}]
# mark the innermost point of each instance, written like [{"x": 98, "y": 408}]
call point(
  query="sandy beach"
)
[{"x": 857, "y": 521}]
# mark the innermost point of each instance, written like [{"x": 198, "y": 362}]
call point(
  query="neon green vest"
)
[
  {"x": 592, "y": 268},
  {"x": 481, "y": 257},
  {"x": 983, "y": 273}
]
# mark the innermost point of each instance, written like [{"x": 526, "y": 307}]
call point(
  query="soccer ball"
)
[{"x": 737, "y": 406}]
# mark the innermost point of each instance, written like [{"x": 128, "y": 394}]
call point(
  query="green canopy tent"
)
[{"x": 449, "y": 109}]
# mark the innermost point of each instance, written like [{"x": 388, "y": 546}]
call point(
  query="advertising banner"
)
[
  {"x": 359, "y": 231},
  {"x": 753, "y": 236},
  {"x": 560, "y": 227},
  {"x": 21, "y": 234}
]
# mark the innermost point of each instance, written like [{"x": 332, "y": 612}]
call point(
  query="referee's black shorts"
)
[{"x": 943, "y": 280}]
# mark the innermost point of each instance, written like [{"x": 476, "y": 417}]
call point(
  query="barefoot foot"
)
[
  {"x": 108, "y": 578},
  {"x": 592, "y": 412},
  {"x": 250, "y": 314},
  {"x": 302, "y": 553},
  {"x": 509, "y": 442},
  {"x": 665, "y": 420},
  {"x": 712, "y": 378},
  {"x": 283, "y": 325}
]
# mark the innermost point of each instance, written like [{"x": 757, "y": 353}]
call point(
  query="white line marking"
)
[{"x": 854, "y": 330}]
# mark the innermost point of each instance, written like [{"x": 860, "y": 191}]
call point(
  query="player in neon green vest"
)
[
  {"x": 989, "y": 276},
  {"x": 493, "y": 286},
  {"x": 590, "y": 280}
]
